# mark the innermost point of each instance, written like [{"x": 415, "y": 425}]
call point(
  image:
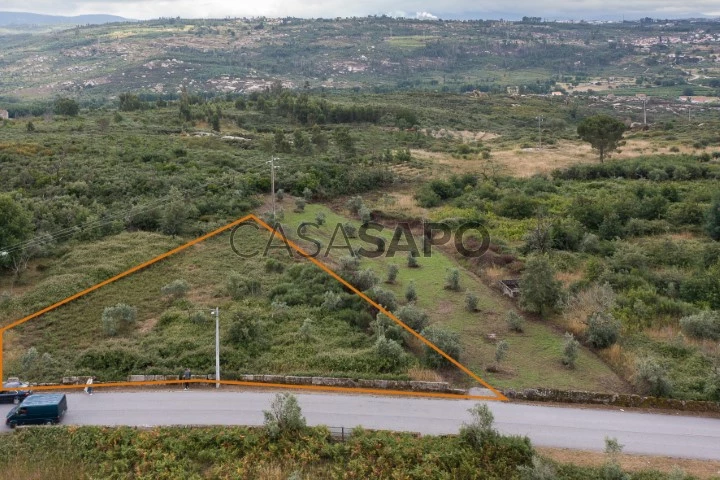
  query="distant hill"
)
[{"x": 25, "y": 18}]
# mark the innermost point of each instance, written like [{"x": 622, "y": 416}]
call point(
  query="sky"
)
[{"x": 447, "y": 9}]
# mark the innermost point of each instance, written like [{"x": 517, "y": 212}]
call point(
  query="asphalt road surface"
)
[{"x": 585, "y": 429}]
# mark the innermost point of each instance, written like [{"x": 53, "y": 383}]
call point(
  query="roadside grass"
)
[
  {"x": 535, "y": 356},
  {"x": 165, "y": 338}
]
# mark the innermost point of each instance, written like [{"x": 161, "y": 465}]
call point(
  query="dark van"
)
[{"x": 37, "y": 409}]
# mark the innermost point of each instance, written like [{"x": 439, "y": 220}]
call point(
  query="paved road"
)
[{"x": 671, "y": 435}]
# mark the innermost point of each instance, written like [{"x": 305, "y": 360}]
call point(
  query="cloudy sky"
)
[{"x": 551, "y": 9}]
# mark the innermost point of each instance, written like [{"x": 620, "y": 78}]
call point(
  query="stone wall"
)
[
  {"x": 434, "y": 387},
  {"x": 613, "y": 399}
]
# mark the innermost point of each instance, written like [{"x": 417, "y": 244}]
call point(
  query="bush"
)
[
  {"x": 446, "y": 340},
  {"x": 452, "y": 280},
  {"x": 355, "y": 204},
  {"x": 410, "y": 292},
  {"x": 392, "y": 273},
  {"x": 284, "y": 417},
  {"x": 66, "y": 106},
  {"x": 501, "y": 350},
  {"x": 365, "y": 214},
  {"x": 705, "y": 325},
  {"x": 300, "y": 205},
  {"x": 274, "y": 266},
  {"x": 365, "y": 279},
  {"x": 540, "y": 290},
  {"x": 175, "y": 289},
  {"x": 305, "y": 332},
  {"x": 320, "y": 218},
  {"x": 412, "y": 261},
  {"x": 413, "y": 317},
  {"x": 239, "y": 287},
  {"x": 350, "y": 230},
  {"x": 332, "y": 301},
  {"x": 570, "y": 350},
  {"x": 712, "y": 219},
  {"x": 391, "y": 355},
  {"x": 480, "y": 428},
  {"x": 118, "y": 318},
  {"x": 383, "y": 297},
  {"x": 651, "y": 378},
  {"x": 471, "y": 302},
  {"x": 603, "y": 330},
  {"x": 515, "y": 322},
  {"x": 244, "y": 331}
]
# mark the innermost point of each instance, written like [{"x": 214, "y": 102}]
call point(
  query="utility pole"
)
[
  {"x": 539, "y": 119},
  {"x": 644, "y": 111},
  {"x": 216, "y": 312},
  {"x": 688, "y": 114}
]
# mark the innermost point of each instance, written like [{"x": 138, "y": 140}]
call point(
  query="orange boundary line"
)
[
  {"x": 297, "y": 248},
  {"x": 368, "y": 391}
]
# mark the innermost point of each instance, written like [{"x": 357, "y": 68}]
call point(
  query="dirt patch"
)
[
  {"x": 148, "y": 325},
  {"x": 465, "y": 136},
  {"x": 633, "y": 463}
]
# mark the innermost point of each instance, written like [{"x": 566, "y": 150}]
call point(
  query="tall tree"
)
[
  {"x": 15, "y": 227},
  {"x": 602, "y": 132}
]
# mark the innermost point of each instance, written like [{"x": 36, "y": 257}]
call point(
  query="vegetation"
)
[{"x": 602, "y": 132}]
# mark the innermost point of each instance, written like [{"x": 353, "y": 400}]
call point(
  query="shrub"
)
[
  {"x": 540, "y": 290},
  {"x": 350, "y": 230},
  {"x": 365, "y": 215},
  {"x": 355, "y": 204},
  {"x": 365, "y": 279},
  {"x": 501, "y": 350},
  {"x": 118, "y": 318},
  {"x": 284, "y": 417},
  {"x": 175, "y": 289},
  {"x": 480, "y": 427},
  {"x": 471, "y": 302},
  {"x": 300, "y": 205},
  {"x": 320, "y": 218},
  {"x": 390, "y": 354},
  {"x": 412, "y": 260},
  {"x": 243, "y": 331},
  {"x": 705, "y": 325},
  {"x": 280, "y": 194},
  {"x": 446, "y": 340},
  {"x": 515, "y": 322},
  {"x": 413, "y": 317},
  {"x": 540, "y": 469},
  {"x": 452, "y": 280},
  {"x": 712, "y": 222},
  {"x": 427, "y": 198},
  {"x": 651, "y": 378},
  {"x": 66, "y": 106},
  {"x": 603, "y": 330},
  {"x": 238, "y": 287},
  {"x": 410, "y": 292},
  {"x": 272, "y": 265},
  {"x": 306, "y": 330},
  {"x": 392, "y": 273},
  {"x": 383, "y": 297},
  {"x": 570, "y": 350}
]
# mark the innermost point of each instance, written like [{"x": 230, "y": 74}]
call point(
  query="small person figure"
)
[
  {"x": 186, "y": 376},
  {"x": 89, "y": 385}
]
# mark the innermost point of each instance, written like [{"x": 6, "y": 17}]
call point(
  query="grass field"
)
[{"x": 534, "y": 358}]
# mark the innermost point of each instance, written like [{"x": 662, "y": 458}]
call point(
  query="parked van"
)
[{"x": 38, "y": 409}]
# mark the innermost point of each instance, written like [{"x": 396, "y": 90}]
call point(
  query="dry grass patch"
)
[
  {"x": 420, "y": 374},
  {"x": 703, "y": 469}
]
